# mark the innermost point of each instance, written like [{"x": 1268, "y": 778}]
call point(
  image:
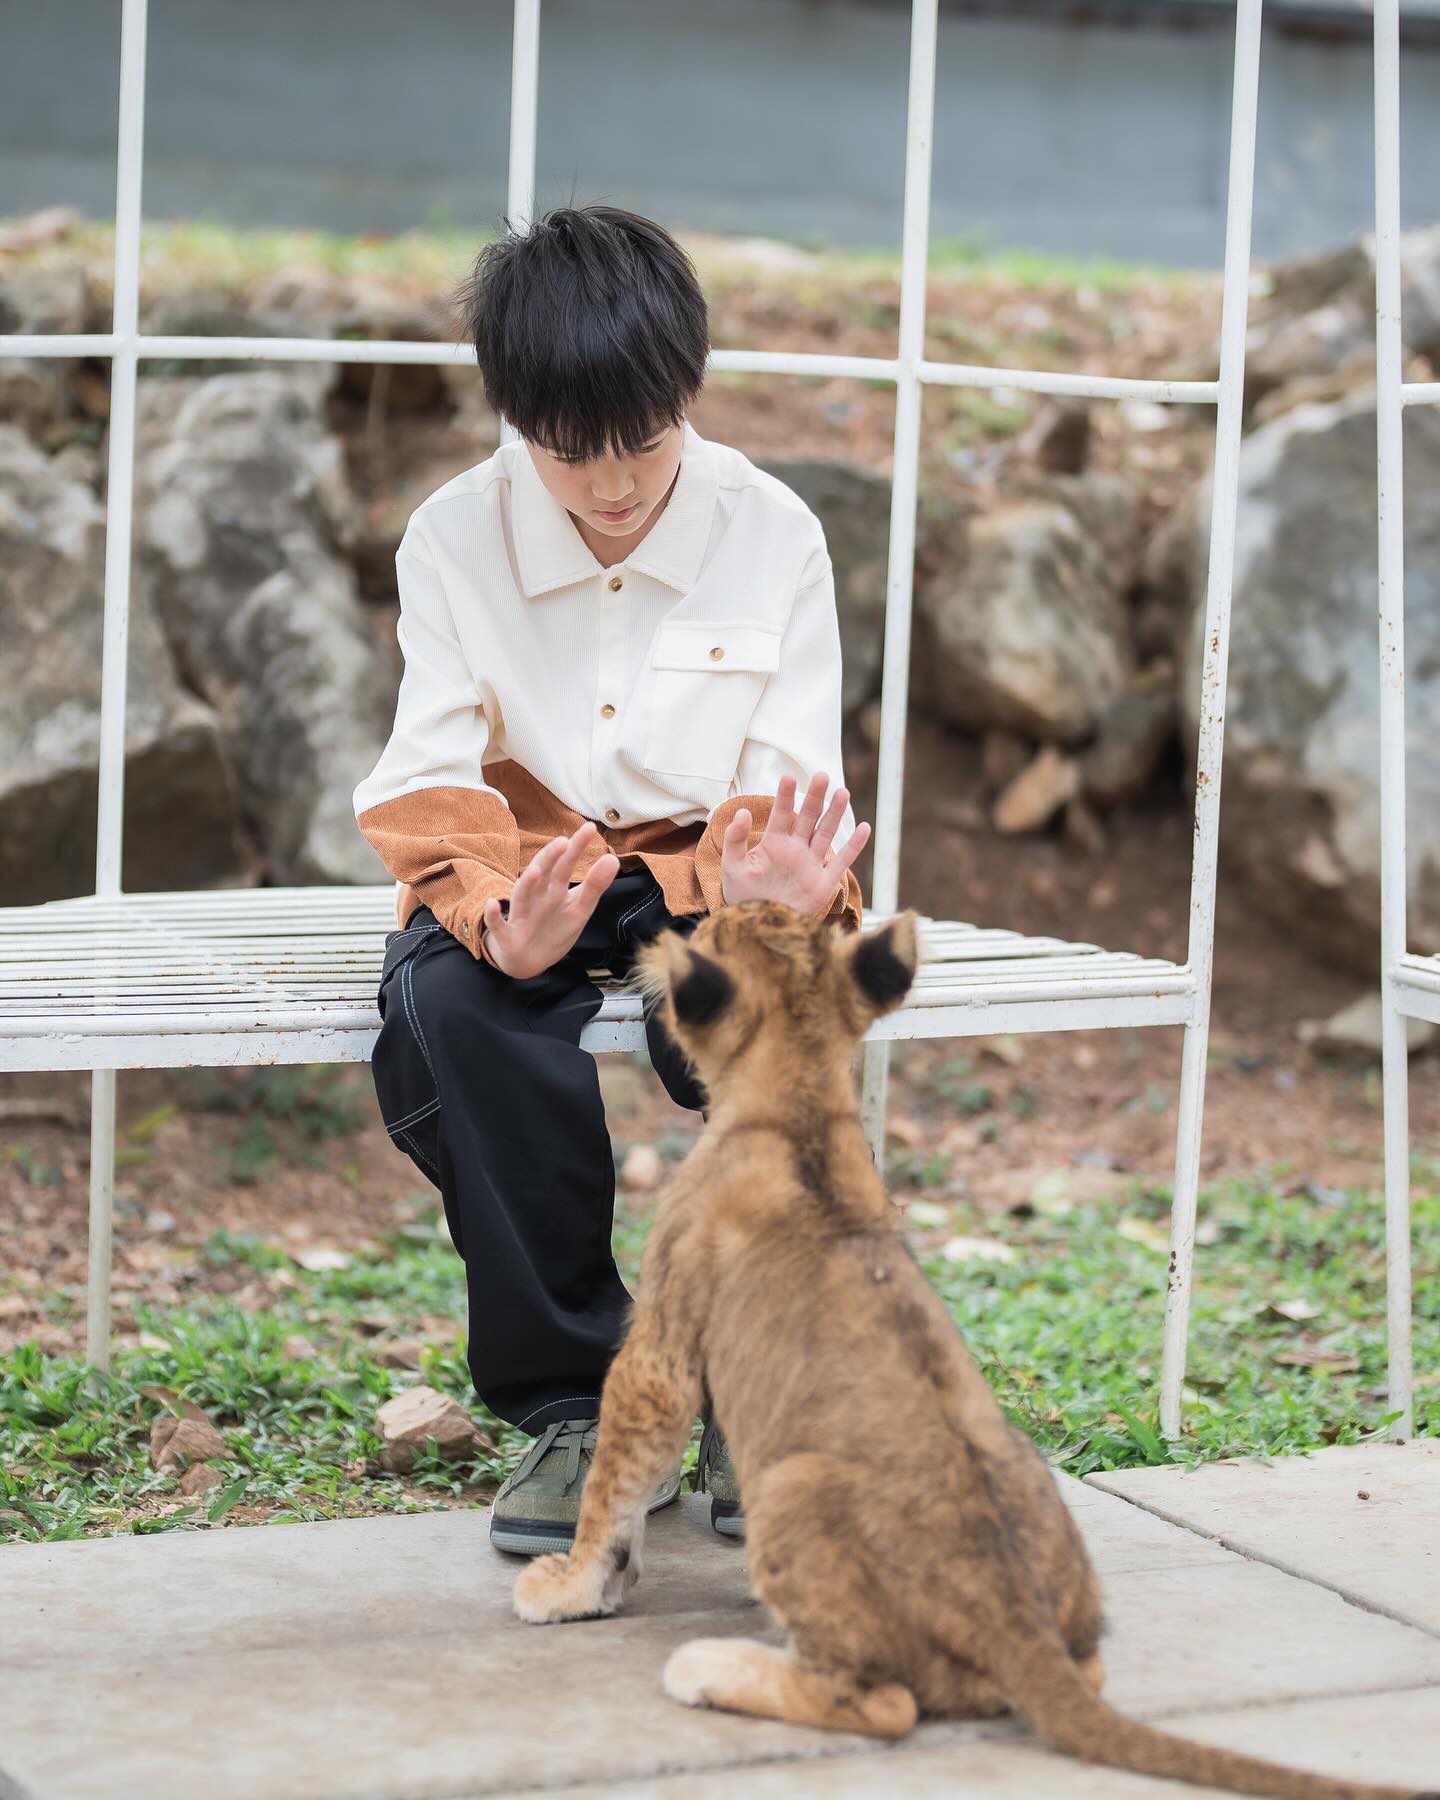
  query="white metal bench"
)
[{"x": 118, "y": 980}]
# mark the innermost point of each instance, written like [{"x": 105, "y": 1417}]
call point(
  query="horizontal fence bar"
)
[
  {"x": 1420, "y": 393},
  {"x": 722, "y": 362},
  {"x": 1091, "y": 387}
]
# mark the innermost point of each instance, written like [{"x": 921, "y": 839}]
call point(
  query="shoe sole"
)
[
  {"x": 537, "y": 1537},
  {"x": 727, "y": 1518}
]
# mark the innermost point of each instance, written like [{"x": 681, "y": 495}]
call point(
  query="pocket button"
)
[{"x": 717, "y": 654}]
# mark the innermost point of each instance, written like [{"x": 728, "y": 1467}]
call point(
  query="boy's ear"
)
[
  {"x": 883, "y": 962},
  {"x": 700, "y": 989}
]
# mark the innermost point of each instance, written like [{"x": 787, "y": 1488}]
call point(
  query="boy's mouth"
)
[{"x": 619, "y": 518}]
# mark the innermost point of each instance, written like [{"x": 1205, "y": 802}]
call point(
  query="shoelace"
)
[{"x": 573, "y": 1437}]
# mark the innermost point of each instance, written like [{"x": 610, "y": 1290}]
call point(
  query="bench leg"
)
[
  {"x": 1182, "y": 1224},
  {"x": 1396, "y": 1091},
  {"x": 874, "y": 1090},
  {"x": 102, "y": 1200}
]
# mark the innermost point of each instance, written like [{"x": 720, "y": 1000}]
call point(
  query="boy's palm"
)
[
  {"x": 546, "y": 914},
  {"x": 791, "y": 863}
]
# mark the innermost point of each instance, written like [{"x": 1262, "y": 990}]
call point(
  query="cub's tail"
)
[{"x": 1037, "y": 1675}]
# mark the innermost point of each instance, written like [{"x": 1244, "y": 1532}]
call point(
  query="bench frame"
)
[{"x": 105, "y": 1038}]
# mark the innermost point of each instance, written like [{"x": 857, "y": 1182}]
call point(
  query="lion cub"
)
[{"x": 909, "y": 1540}]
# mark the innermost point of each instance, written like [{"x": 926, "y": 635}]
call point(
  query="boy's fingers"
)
[
  {"x": 570, "y": 852},
  {"x": 846, "y": 855},
  {"x": 824, "y": 834},
  {"x": 782, "y": 814},
  {"x": 737, "y": 837},
  {"x": 812, "y": 806}
]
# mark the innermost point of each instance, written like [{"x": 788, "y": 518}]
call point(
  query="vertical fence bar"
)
[
  {"x": 524, "y": 112},
  {"x": 1390, "y": 496},
  {"x": 1225, "y": 494},
  {"x": 524, "y": 130},
  {"x": 119, "y": 509},
  {"x": 899, "y": 585}
]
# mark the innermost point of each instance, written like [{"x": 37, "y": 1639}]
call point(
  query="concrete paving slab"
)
[
  {"x": 378, "y": 1659},
  {"x": 1305, "y": 1515},
  {"x": 1370, "y": 1737}
]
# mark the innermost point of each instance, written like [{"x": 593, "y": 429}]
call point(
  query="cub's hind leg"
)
[{"x": 740, "y": 1675}]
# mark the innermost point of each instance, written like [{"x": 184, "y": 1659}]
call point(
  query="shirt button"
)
[
  {"x": 612, "y": 815},
  {"x": 717, "y": 654},
  {"x": 607, "y": 711},
  {"x": 615, "y": 584}
]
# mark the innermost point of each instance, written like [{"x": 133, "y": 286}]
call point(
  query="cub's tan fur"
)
[{"x": 909, "y": 1540}]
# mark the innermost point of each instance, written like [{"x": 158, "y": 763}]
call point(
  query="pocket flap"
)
[{"x": 693, "y": 644}]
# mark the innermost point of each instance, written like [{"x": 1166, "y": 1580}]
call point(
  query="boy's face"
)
[{"x": 613, "y": 496}]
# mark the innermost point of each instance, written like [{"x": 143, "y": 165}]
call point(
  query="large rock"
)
[
  {"x": 1318, "y": 322},
  {"x": 48, "y": 299},
  {"x": 52, "y": 557},
  {"x": 1300, "y": 817},
  {"x": 244, "y": 512},
  {"x": 853, "y": 505},
  {"x": 1020, "y": 622}
]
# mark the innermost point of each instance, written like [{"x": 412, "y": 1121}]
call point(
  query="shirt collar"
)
[{"x": 550, "y": 553}]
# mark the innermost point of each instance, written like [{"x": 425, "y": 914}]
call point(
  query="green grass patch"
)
[{"x": 1068, "y": 1332}]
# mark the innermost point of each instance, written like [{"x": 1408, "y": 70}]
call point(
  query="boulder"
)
[
  {"x": 244, "y": 511},
  {"x": 176, "y": 1444},
  {"x": 46, "y": 299},
  {"x": 1318, "y": 321},
  {"x": 1022, "y": 624},
  {"x": 1300, "y": 816},
  {"x": 1131, "y": 736},
  {"x": 853, "y": 506},
  {"x": 52, "y": 551}
]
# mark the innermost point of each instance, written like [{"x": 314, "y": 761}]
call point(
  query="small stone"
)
[
  {"x": 1358, "y": 1027},
  {"x": 320, "y": 1261},
  {"x": 400, "y": 1353},
  {"x": 642, "y": 1169},
  {"x": 299, "y": 1347},
  {"x": 1362, "y": 1493},
  {"x": 971, "y": 1249},
  {"x": 412, "y": 1419},
  {"x": 200, "y": 1478},
  {"x": 159, "y": 1220},
  {"x": 1037, "y": 793},
  {"x": 927, "y": 1215},
  {"x": 177, "y": 1443}
]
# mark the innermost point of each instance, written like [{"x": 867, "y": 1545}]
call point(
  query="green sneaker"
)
[
  {"x": 539, "y": 1505},
  {"x": 715, "y": 1475}
]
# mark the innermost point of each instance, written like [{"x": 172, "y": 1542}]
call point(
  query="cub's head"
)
[{"x": 762, "y": 979}]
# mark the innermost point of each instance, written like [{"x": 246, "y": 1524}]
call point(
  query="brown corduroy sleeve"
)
[
  {"x": 455, "y": 848},
  {"x": 845, "y": 907}
]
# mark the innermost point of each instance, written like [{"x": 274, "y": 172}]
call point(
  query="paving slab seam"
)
[
  {"x": 935, "y": 1734},
  {"x": 1171, "y": 1715},
  {"x": 1249, "y": 1554},
  {"x": 11, "y": 1789}
]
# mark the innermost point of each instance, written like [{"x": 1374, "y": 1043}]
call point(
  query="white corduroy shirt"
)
[{"x": 706, "y": 664}]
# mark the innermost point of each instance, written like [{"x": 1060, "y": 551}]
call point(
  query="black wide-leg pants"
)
[{"x": 482, "y": 1083}]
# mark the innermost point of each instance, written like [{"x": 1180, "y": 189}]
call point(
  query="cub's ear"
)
[
  {"x": 700, "y": 989},
  {"x": 882, "y": 963}
]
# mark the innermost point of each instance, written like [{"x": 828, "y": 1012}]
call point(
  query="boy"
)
[{"x": 622, "y": 666}]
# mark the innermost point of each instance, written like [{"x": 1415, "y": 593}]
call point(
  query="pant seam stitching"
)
[
  {"x": 414, "y": 1118},
  {"x": 569, "y": 1400}
]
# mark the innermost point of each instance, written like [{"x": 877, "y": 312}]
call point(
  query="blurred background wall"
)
[{"x": 360, "y": 115}]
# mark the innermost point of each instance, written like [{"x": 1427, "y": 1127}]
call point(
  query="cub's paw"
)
[
  {"x": 699, "y": 1671},
  {"x": 555, "y": 1588}
]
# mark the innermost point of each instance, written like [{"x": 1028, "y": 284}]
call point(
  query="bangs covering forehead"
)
[{"x": 590, "y": 331}]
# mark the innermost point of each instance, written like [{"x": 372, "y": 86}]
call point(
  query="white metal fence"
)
[
  {"x": 1410, "y": 985},
  {"x": 1061, "y": 993}
]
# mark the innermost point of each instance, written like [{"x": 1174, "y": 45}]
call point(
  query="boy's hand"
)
[
  {"x": 789, "y": 863},
  {"x": 546, "y": 913}
]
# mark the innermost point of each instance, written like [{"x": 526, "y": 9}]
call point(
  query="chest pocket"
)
[{"x": 705, "y": 682}]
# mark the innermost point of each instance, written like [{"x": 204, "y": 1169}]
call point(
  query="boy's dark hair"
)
[{"x": 590, "y": 330}]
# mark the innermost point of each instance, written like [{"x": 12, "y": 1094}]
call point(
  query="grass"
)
[
  {"x": 1068, "y": 1333},
  {"x": 207, "y": 253}
]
